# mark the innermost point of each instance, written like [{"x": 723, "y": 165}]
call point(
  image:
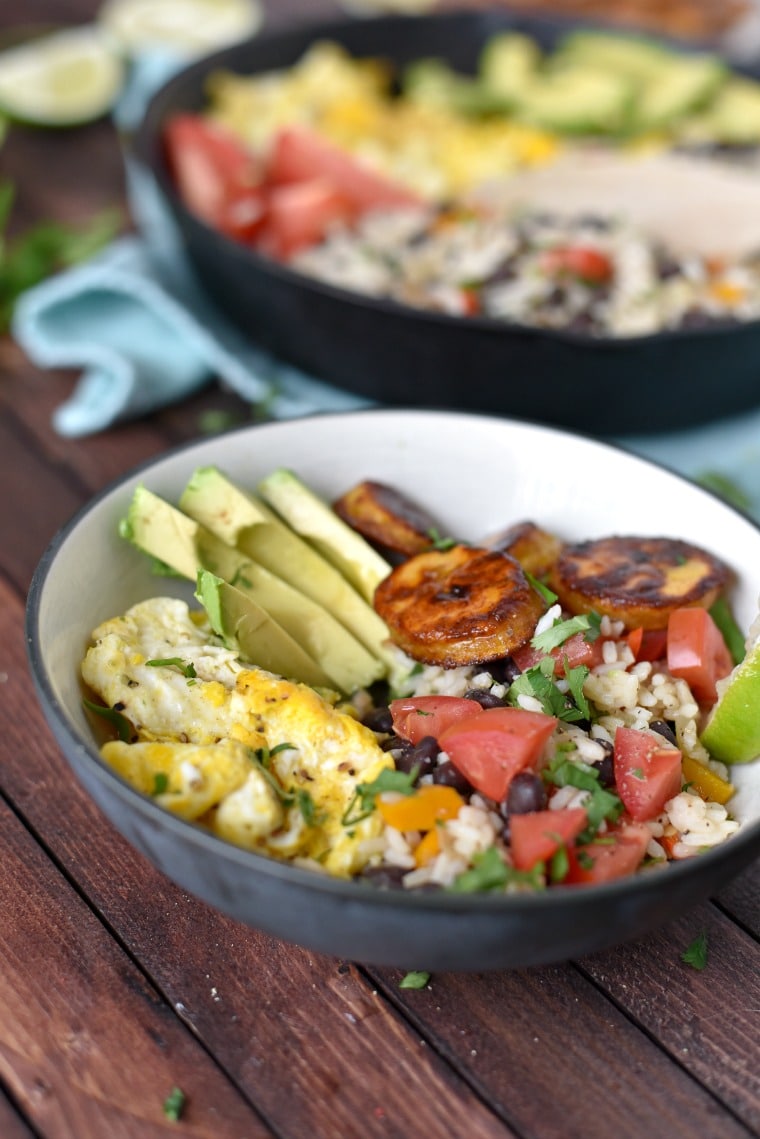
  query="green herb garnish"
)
[
  {"x": 720, "y": 611},
  {"x": 439, "y": 542},
  {"x": 187, "y": 668},
  {"x": 538, "y": 683},
  {"x": 726, "y": 488},
  {"x": 174, "y": 1105},
  {"x": 124, "y": 728},
  {"x": 696, "y": 953},
  {"x": 160, "y": 783},
  {"x": 559, "y": 865},
  {"x": 587, "y": 623},
  {"x": 541, "y": 589},
  {"x": 414, "y": 980},
  {"x": 362, "y": 802},
  {"x": 490, "y": 872}
]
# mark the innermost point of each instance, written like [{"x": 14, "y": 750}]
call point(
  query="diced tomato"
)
[
  {"x": 581, "y": 261},
  {"x": 300, "y": 215},
  {"x": 300, "y": 155},
  {"x": 470, "y": 302},
  {"x": 647, "y": 772},
  {"x": 616, "y": 854},
  {"x": 575, "y": 650},
  {"x": 697, "y": 652},
  {"x": 492, "y": 746},
  {"x": 415, "y": 717},
  {"x": 210, "y": 166},
  {"x": 536, "y": 836},
  {"x": 648, "y": 644}
]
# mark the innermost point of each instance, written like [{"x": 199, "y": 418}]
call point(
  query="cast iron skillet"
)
[{"x": 401, "y": 356}]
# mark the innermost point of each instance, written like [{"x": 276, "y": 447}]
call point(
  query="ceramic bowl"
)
[{"x": 476, "y": 474}]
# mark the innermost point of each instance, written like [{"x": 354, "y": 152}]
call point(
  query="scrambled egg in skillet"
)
[{"x": 263, "y": 762}]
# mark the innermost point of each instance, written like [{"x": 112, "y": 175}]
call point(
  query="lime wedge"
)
[
  {"x": 190, "y": 27},
  {"x": 732, "y": 732},
  {"x": 61, "y": 79}
]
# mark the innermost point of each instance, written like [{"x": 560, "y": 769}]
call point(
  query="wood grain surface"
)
[{"x": 116, "y": 986}]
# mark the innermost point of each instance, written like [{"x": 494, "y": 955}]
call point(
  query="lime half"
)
[
  {"x": 61, "y": 79},
  {"x": 732, "y": 732},
  {"x": 187, "y": 26}
]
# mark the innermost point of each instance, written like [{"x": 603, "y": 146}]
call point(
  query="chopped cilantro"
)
[
  {"x": 538, "y": 683},
  {"x": 720, "y": 611},
  {"x": 637, "y": 773},
  {"x": 417, "y": 979},
  {"x": 308, "y": 808},
  {"x": 696, "y": 953},
  {"x": 186, "y": 668},
  {"x": 601, "y": 804},
  {"x": 575, "y": 678},
  {"x": 491, "y": 872},
  {"x": 587, "y": 623},
  {"x": 585, "y": 860},
  {"x": 124, "y": 729},
  {"x": 174, "y": 1105},
  {"x": 363, "y": 800},
  {"x": 559, "y": 865},
  {"x": 541, "y": 589},
  {"x": 160, "y": 783},
  {"x": 439, "y": 542}
]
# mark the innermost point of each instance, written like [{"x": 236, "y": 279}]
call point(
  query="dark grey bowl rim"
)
[{"x": 561, "y": 898}]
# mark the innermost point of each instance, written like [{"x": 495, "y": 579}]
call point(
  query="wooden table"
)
[{"x": 116, "y": 987}]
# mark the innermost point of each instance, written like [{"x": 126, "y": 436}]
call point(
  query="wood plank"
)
[
  {"x": 12, "y": 1126},
  {"x": 707, "y": 1020},
  {"x": 113, "y": 1050},
  {"x": 256, "y": 1003},
  {"x": 530, "y": 1039},
  {"x": 740, "y": 899}
]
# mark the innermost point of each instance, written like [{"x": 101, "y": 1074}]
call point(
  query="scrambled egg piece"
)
[
  {"x": 266, "y": 763},
  {"x": 428, "y": 148}
]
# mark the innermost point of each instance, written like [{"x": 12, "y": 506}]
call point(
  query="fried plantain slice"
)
[
  {"x": 639, "y": 581},
  {"x": 535, "y": 549},
  {"x": 460, "y": 606},
  {"x": 386, "y": 518}
]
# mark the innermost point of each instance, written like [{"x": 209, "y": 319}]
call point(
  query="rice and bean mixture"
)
[
  {"x": 620, "y": 692},
  {"x": 593, "y": 275}
]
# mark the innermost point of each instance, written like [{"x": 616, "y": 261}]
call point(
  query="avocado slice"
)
[
  {"x": 161, "y": 530},
  {"x": 734, "y": 115},
  {"x": 576, "y": 100},
  {"x": 240, "y": 519},
  {"x": 312, "y": 518},
  {"x": 250, "y": 631},
  {"x": 433, "y": 83},
  {"x": 507, "y": 64},
  {"x": 630, "y": 56},
  {"x": 688, "y": 83}
]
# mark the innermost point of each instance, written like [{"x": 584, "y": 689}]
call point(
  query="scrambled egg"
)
[
  {"x": 263, "y": 762},
  {"x": 426, "y": 147}
]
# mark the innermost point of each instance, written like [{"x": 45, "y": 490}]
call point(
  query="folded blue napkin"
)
[
  {"x": 137, "y": 325},
  {"x": 144, "y": 335}
]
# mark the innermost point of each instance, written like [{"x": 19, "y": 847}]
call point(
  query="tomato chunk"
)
[
  {"x": 299, "y": 155},
  {"x": 697, "y": 652},
  {"x": 581, "y": 261},
  {"x": 536, "y": 836},
  {"x": 210, "y": 166},
  {"x": 300, "y": 215},
  {"x": 575, "y": 650},
  {"x": 415, "y": 717},
  {"x": 647, "y": 772},
  {"x": 616, "y": 854},
  {"x": 492, "y": 746},
  {"x": 648, "y": 644}
]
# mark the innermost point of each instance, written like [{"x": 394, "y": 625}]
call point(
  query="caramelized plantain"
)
[
  {"x": 460, "y": 606},
  {"x": 386, "y": 518},
  {"x": 639, "y": 581},
  {"x": 535, "y": 549}
]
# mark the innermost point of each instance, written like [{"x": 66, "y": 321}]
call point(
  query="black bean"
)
[
  {"x": 422, "y": 755},
  {"x": 484, "y": 698},
  {"x": 451, "y": 776},
  {"x": 384, "y": 877},
  {"x": 504, "y": 671},
  {"x": 525, "y": 793},
  {"x": 664, "y": 729},
  {"x": 606, "y": 769},
  {"x": 379, "y": 719}
]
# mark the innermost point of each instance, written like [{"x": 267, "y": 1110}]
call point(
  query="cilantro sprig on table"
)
[{"x": 44, "y": 249}]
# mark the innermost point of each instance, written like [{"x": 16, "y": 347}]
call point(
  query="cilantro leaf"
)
[
  {"x": 416, "y": 979},
  {"x": 538, "y": 683},
  {"x": 695, "y": 954},
  {"x": 174, "y": 1105},
  {"x": 561, "y": 631},
  {"x": 123, "y": 727},
  {"x": 439, "y": 542},
  {"x": 160, "y": 783},
  {"x": 490, "y": 872},
  {"x": 363, "y": 800},
  {"x": 541, "y": 589}
]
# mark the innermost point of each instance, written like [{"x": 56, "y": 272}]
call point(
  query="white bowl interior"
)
[{"x": 474, "y": 474}]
